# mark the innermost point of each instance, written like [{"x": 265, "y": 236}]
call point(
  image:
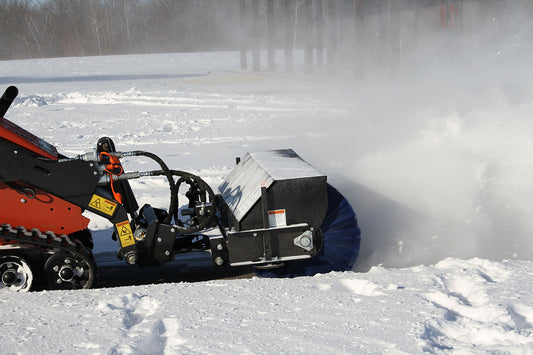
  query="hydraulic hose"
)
[
  {"x": 204, "y": 187},
  {"x": 174, "y": 189},
  {"x": 173, "y": 209}
]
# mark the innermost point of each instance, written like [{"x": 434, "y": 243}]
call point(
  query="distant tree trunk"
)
[
  {"x": 308, "y": 39},
  {"x": 36, "y": 36},
  {"x": 126, "y": 13},
  {"x": 332, "y": 36},
  {"x": 289, "y": 18},
  {"x": 270, "y": 35},
  {"x": 82, "y": 52},
  {"x": 319, "y": 33},
  {"x": 395, "y": 39},
  {"x": 384, "y": 34},
  {"x": 359, "y": 38},
  {"x": 256, "y": 47},
  {"x": 243, "y": 34},
  {"x": 96, "y": 27}
]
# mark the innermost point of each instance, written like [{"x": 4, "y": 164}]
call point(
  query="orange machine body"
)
[{"x": 27, "y": 206}]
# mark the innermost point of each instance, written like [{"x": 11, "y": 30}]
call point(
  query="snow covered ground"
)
[
  {"x": 437, "y": 166},
  {"x": 473, "y": 306}
]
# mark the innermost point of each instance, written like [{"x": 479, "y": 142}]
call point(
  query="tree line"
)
[{"x": 53, "y": 28}]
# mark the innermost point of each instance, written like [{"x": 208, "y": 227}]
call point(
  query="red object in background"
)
[{"x": 447, "y": 16}]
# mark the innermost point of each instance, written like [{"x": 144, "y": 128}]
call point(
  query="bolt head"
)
[
  {"x": 131, "y": 259},
  {"x": 305, "y": 241}
]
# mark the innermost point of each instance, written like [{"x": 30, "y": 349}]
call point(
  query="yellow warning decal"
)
[
  {"x": 103, "y": 205},
  {"x": 125, "y": 234}
]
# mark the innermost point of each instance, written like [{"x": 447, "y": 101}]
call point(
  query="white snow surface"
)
[{"x": 437, "y": 166}]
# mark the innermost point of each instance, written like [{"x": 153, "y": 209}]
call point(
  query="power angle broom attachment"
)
[{"x": 274, "y": 211}]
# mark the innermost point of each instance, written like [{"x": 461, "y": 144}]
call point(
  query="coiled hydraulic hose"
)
[
  {"x": 174, "y": 189},
  {"x": 172, "y": 210},
  {"x": 204, "y": 187}
]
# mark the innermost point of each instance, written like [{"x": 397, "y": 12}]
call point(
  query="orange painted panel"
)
[
  {"x": 32, "y": 208},
  {"x": 23, "y": 138}
]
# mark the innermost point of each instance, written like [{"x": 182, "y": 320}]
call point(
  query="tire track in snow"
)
[
  {"x": 145, "y": 330},
  {"x": 472, "y": 317}
]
